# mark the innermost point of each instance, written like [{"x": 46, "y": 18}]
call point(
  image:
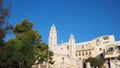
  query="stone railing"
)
[{"x": 112, "y": 54}]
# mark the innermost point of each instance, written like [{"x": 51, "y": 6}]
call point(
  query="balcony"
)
[{"x": 111, "y": 54}]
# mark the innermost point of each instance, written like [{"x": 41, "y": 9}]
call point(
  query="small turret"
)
[{"x": 72, "y": 46}]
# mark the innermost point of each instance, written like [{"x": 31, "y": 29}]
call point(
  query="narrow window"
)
[
  {"x": 83, "y": 53},
  {"x": 89, "y": 52},
  {"x": 67, "y": 47},
  {"x": 79, "y": 54},
  {"x": 76, "y": 53},
  {"x": 100, "y": 49},
  {"x": 86, "y": 53},
  {"x": 118, "y": 47},
  {"x": 82, "y": 46}
]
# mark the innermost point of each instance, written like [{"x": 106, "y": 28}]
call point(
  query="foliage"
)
[
  {"x": 26, "y": 49},
  {"x": 4, "y": 25},
  {"x": 94, "y": 62},
  {"x": 22, "y": 28},
  {"x": 21, "y": 53},
  {"x": 40, "y": 49},
  {"x": 42, "y": 52},
  {"x": 4, "y": 57},
  {"x": 20, "y": 50},
  {"x": 118, "y": 57}
]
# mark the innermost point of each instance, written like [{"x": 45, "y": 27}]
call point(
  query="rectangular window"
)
[
  {"x": 110, "y": 49},
  {"x": 106, "y": 37},
  {"x": 97, "y": 40}
]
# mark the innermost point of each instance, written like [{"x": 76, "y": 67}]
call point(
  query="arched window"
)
[
  {"x": 67, "y": 47},
  {"x": 83, "y": 53}
]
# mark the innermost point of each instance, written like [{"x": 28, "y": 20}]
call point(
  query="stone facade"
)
[{"x": 72, "y": 54}]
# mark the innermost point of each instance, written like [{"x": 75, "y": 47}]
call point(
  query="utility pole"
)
[
  {"x": 47, "y": 57},
  {"x": 63, "y": 62},
  {"x": 109, "y": 63}
]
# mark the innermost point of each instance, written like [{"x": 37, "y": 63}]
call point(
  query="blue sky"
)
[{"x": 85, "y": 19}]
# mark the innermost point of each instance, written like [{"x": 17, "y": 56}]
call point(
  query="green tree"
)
[
  {"x": 27, "y": 47},
  {"x": 118, "y": 57},
  {"x": 42, "y": 52},
  {"x": 4, "y": 29},
  {"x": 24, "y": 50},
  {"x": 4, "y": 25},
  {"x": 23, "y": 47},
  {"x": 21, "y": 52},
  {"x": 40, "y": 48},
  {"x": 3, "y": 57},
  {"x": 94, "y": 62}
]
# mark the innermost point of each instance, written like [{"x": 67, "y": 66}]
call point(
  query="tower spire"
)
[
  {"x": 53, "y": 26},
  {"x": 53, "y": 37},
  {"x": 72, "y": 36},
  {"x": 72, "y": 45}
]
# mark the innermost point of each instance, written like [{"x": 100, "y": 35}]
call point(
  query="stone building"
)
[{"x": 72, "y": 55}]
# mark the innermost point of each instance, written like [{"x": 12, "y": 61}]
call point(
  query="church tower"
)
[
  {"x": 72, "y": 46},
  {"x": 52, "y": 38}
]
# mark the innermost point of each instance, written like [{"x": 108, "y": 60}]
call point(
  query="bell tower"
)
[
  {"x": 52, "y": 38},
  {"x": 72, "y": 46}
]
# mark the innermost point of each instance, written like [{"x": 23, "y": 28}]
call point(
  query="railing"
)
[
  {"x": 109, "y": 52},
  {"x": 118, "y": 51},
  {"x": 112, "y": 52}
]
